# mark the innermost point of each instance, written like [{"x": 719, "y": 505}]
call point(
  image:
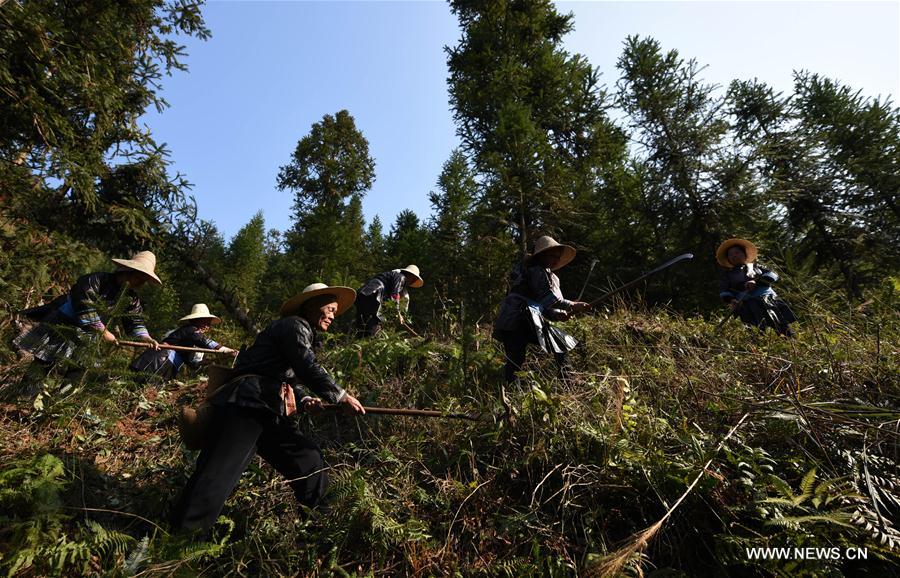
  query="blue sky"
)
[{"x": 272, "y": 69}]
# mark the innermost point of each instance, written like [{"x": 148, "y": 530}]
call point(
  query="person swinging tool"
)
[
  {"x": 251, "y": 411},
  {"x": 387, "y": 285},
  {"x": 165, "y": 364},
  {"x": 533, "y": 300},
  {"x": 747, "y": 288},
  {"x": 83, "y": 314}
]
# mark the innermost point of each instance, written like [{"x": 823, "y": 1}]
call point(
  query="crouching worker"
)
[
  {"x": 533, "y": 300},
  {"x": 251, "y": 412},
  {"x": 392, "y": 285},
  {"x": 165, "y": 364},
  {"x": 83, "y": 314},
  {"x": 747, "y": 288}
]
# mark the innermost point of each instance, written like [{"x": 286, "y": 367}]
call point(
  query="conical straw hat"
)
[
  {"x": 722, "y": 251},
  {"x": 201, "y": 311},
  {"x": 345, "y": 297},
  {"x": 414, "y": 271},
  {"x": 145, "y": 262},
  {"x": 547, "y": 243}
]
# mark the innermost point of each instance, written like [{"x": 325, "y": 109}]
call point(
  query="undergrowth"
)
[{"x": 571, "y": 477}]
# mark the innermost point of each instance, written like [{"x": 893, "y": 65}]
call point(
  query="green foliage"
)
[
  {"x": 585, "y": 464},
  {"x": 329, "y": 173},
  {"x": 406, "y": 243},
  {"x": 34, "y": 537},
  {"x": 77, "y": 78},
  {"x": 246, "y": 258},
  {"x": 695, "y": 188},
  {"x": 827, "y": 155},
  {"x": 530, "y": 116},
  {"x": 557, "y": 471}
]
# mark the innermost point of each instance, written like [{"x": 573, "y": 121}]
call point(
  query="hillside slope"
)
[{"x": 791, "y": 443}]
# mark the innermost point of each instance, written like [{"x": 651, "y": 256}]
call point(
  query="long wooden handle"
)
[
  {"x": 404, "y": 411},
  {"x": 173, "y": 347}
]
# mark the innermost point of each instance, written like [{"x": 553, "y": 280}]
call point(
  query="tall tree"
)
[
  {"x": 79, "y": 177},
  {"x": 449, "y": 250},
  {"x": 696, "y": 187},
  {"x": 77, "y": 77},
  {"x": 246, "y": 258},
  {"x": 406, "y": 243},
  {"x": 376, "y": 253},
  {"x": 329, "y": 172},
  {"x": 530, "y": 116},
  {"x": 828, "y": 158}
]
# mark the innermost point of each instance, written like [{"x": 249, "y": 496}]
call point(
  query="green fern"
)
[{"x": 211, "y": 549}]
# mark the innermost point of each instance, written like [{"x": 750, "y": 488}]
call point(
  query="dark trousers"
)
[
  {"x": 515, "y": 346},
  {"x": 368, "y": 323},
  {"x": 236, "y": 435},
  {"x": 764, "y": 312}
]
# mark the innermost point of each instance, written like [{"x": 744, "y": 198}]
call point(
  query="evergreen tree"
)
[
  {"x": 329, "y": 172},
  {"x": 77, "y": 78},
  {"x": 827, "y": 157},
  {"x": 530, "y": 116},
  {"x": 246, "y": 258},
  {"x": 449, "y": 250},
  {"x": 696, "y": 188},
  {"x": 376, "y": 254},
  {"x": 79, "y": 175},
  {"x": 406, "y": 242}
]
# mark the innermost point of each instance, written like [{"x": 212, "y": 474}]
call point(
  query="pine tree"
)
[
  {"x": 449, "y": 249},
  {"x": 77, "y": 78},
  {"x": 827, "y": 157},
  {"x": 376, "y": 254},
  {"x": 406, "y": 243},
  {"x": 695, "y": 188},
  {"x": 246, "y": 258},
  {"x": 531, "y": 116},
  {"x": 79, "y": 175},
  {"x": 329, "y": 172}
]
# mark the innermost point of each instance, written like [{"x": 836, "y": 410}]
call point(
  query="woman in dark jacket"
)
[
  {"x": 166, "y": 363},
  {"x": 251, "y": 412},
  {"x": 747, "y": 288},
  {"x": 84, "y": 313},
  {"x": 390, "y": 285},
  {"x": 533, "y": 300}
]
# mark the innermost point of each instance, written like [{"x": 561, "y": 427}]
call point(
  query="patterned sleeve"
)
[
  {"x": 297, "y": 346},
  {"x": 84, "y": 296},
  {"x": 133, "y": 320},
  {"x": 545, "y": 286}
]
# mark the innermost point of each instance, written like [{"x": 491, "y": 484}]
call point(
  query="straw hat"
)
[
  {"x": 414, "y": 271},
  {"x": 722, "y": 251},
  {"x": 145, "y": 262},
  {"x": 546, "y": 243},
  {"x": 201, "y": 311},
  {"x": 345, "y": 297}
]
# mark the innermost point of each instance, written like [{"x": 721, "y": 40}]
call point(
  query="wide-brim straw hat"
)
[
  {"x": 547, "y": 243},
  {"x": 145, "y": 262},
  {"x": 345, "y": 296},
  {"x": 201, "y": 311},
  {"x": 722, "y": 252},
  {"x": 414, "y": 271}
]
